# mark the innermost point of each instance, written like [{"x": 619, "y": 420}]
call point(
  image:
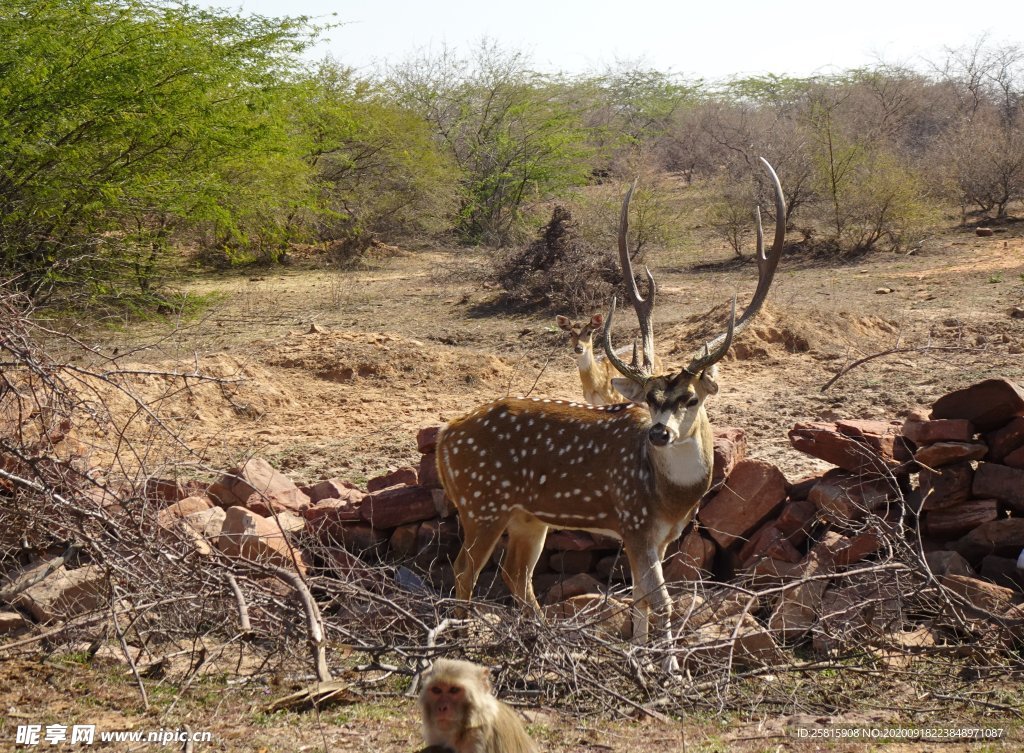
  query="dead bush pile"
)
[{"x": 559, "y": 270}]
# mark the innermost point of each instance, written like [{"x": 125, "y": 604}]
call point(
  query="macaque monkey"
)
[{"x": 461, "y": 714}]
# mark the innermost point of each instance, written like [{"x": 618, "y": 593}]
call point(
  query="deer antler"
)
[
  {"x": 766, "y": 265},
  {"x": 644, "y": 308}
]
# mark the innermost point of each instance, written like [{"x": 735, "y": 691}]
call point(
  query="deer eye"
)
[{"x": 692, "y": 402}]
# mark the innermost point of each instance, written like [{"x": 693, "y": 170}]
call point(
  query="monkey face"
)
[{"x": 446, "y": 704}]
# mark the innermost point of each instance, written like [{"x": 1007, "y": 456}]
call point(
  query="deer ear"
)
[
  {"x": 709, "y": 379},
  {"x": 629, "y": 390},
  {"x": 597, "y": 321},
  {"x": 563, "y": 322}
]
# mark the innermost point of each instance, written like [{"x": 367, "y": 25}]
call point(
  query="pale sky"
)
[{"x": 711, "y": 40}]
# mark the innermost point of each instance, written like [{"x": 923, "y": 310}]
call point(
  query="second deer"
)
[{"x": 596, "y": 371}]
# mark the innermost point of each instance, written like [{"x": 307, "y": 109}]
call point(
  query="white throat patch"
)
[{"x": 681, "y": 463}]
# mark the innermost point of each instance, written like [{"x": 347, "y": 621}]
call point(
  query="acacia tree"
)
[
  {"x": 377, "y": 166},
  {"x": 126, "y": 123},
  {"x": 512, "y": 133}
]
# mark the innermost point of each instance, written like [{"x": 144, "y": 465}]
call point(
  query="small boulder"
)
[
  {"x": 276, "y": 491},
  {"x": 426, "y": 438},
  {"x": 574, "y": 585},
  {"x": 253, "y": 537},
  {"x": 988, "y": 405},
  {"x": 921, "y": 430},
  {"x": 730, "y": 446},
  {"x": 327, "y": 518},
  {"x": 753, "y": 492},
  {"x": 843, "y": 497},
  {"x": 689, "y": 558},
  {"x": 943, "y": 453},
  {"x": 603, "y": 613},
  {"x": 404, "y": 476},
  {"x": 397, "y": 506},
  {"x": 1002, "y": 537},
  {"x": 1001, "y": 482},
  {"x": 61, "y": 595},
  {"x": 333, "y": 488},
  {"x": 169, "y": 516}
]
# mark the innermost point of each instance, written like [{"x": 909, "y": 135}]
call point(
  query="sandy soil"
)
[{"x": 339, "y": 369}]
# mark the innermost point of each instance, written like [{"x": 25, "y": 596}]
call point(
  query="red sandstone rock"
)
[
  {"x": 988, "y": 405},
  {"x": 333, "y": 488},
  {"x": 985, "y": 596},
  {"x": 426, "y": 438},
  {"x": 170, "y": 515},
  {"x": 400, "y": 476},
  {"x": 922, "y": 432},
  {"x": 257, "y": 476},
  {"x": 1002, "y": 537},
  {"x": 1015, "y": 459},
  {"x": 798, "y": 608},
  {"x": 689, "y": 558},
  {"x": 730, "y": 449},
  {"x": 848, "y": 550},
  {"x": 858, "y": 447},
  {"x": 564, "y": 541},
  {"x": 1005, "y": 439},
  {"x": 1002, "y": 482},
  {"x": 575, "y": 585},
  {"x": 953, "y": 522},
  {"x": 943, "y": 453},
  {"x": 250, "y": 536},
  {"x": 844, "y": 497},
  {"x": 403, "y": 540},
  {"x": 753, "y": 492},
  {"x": 396, "y": 506},
  {"x": 438, "y": 540},
  {"x": 768, "y": 543},
  {"x": 945, "y": 487},
  {"x": 796, "y": 518},
  {"x": 428, "y": 471},
  {"x": 327, "y": 518}
]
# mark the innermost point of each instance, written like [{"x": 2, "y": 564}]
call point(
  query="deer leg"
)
[
  {"x": 477, "y": 544},
  {"x": 650, "y": 595},
  {"x": 526, "y": 537}
]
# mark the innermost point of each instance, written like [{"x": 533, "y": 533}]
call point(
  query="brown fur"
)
[{"x": 461, "y": 714}]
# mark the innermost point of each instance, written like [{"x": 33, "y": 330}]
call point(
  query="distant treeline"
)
[{"x": 130, "y": 130}]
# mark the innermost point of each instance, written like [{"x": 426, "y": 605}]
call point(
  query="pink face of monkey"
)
[{"x": 445, "y": 704}]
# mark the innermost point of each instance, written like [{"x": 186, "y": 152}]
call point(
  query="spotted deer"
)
[
  {"x": 596, "y": 371},
  {"x": 635, "y": 470}
]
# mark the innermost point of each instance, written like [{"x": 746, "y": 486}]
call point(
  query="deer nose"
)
[
  {"x": 659, "y": 435},
  {"x": 578, "y": 349}
]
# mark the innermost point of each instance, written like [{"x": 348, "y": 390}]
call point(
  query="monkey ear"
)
[{"x": 485, "y": 679}]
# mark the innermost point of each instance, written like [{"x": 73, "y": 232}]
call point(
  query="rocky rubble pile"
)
[{"x": 948, "y": 483}]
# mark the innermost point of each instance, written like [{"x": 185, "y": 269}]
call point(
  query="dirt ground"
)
[{"x": 339, "y": 369}]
